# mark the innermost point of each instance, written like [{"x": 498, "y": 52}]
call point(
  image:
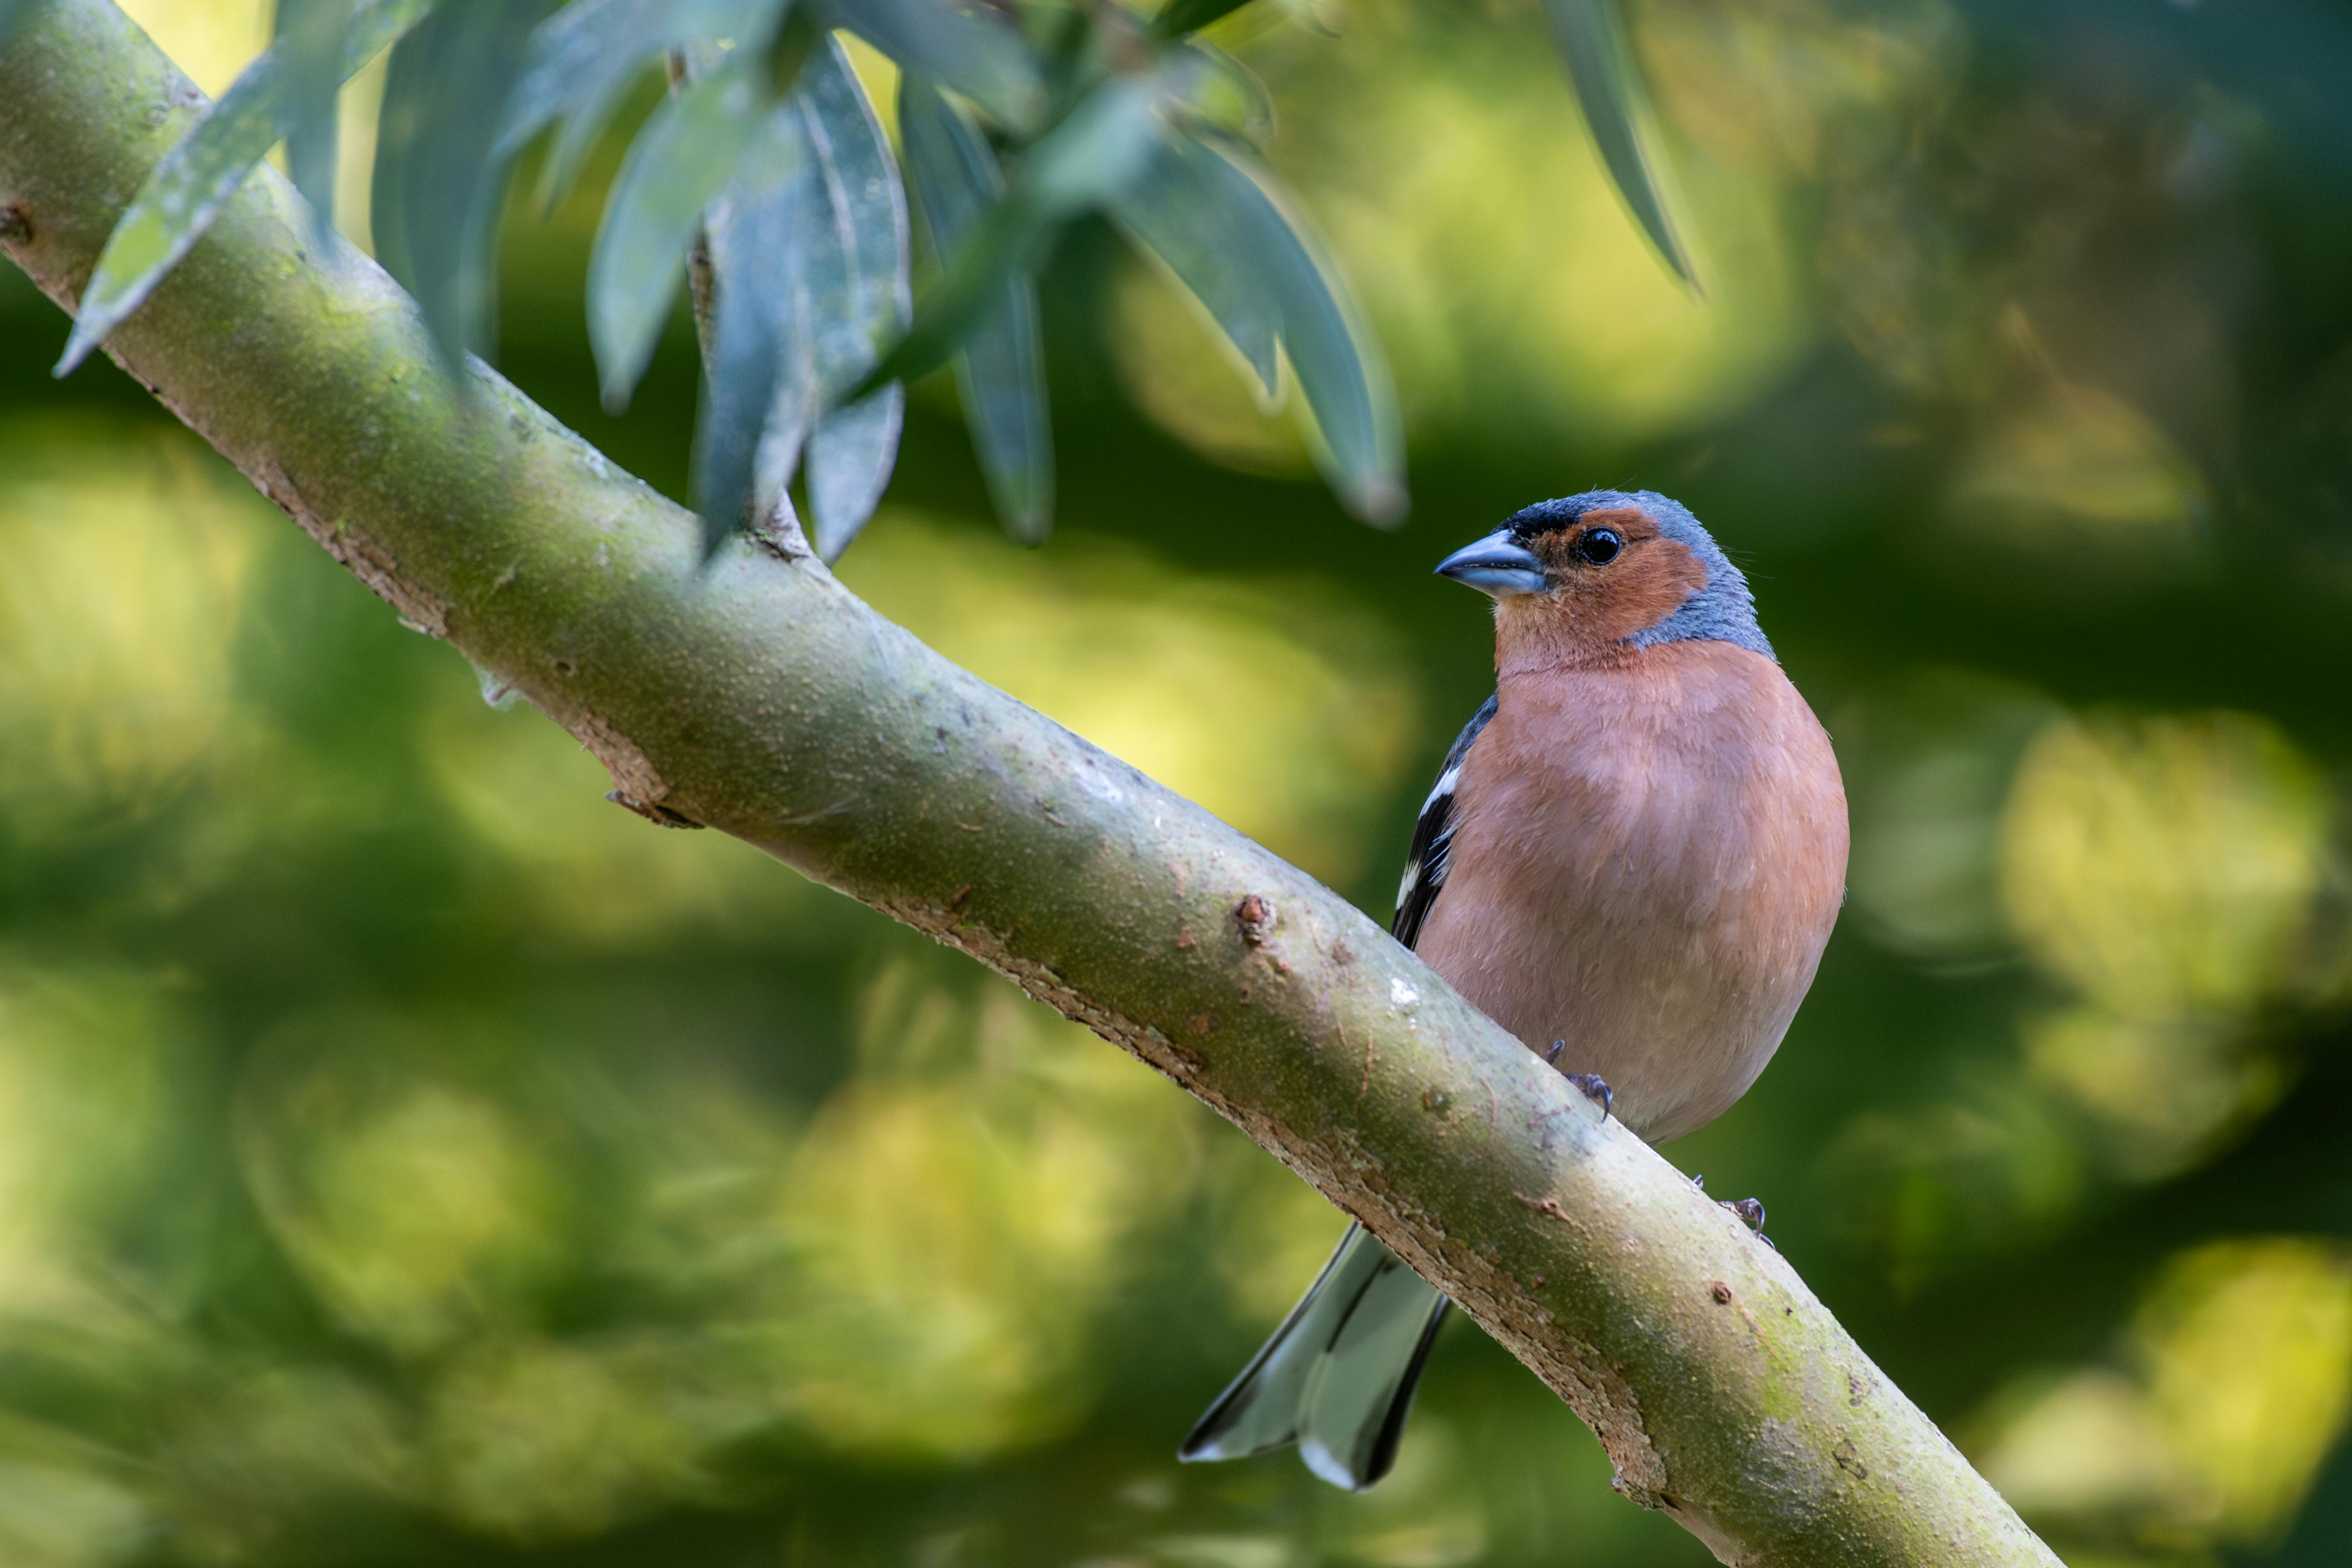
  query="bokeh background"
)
[{"x": 406, "y": 1157}]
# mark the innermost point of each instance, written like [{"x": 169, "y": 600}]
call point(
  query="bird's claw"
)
[
  {"x": 1751, "y": 1213},
  {"x": 1595, "y": 1089}
]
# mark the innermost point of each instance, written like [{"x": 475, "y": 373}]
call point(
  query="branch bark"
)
[{"x": 761, "y": 699}]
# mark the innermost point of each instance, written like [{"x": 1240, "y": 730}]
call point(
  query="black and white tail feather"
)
[{"x": 1336, "y": 1378}]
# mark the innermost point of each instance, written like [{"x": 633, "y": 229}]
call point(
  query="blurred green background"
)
[{"x": 405, "y": 1157}]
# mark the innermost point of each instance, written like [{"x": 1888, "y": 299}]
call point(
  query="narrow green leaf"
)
[
  {"x": 188, "y": 187},
  {"x": 1182, "y": 216},
  {"x": 440, "y": 178},
  {"x": 1001, "y": 369},
  {"x": 1102, "y": 146},
  {"x": 857, "y": 290},
  {"x": 308, "y": 37},
  {"x": 986, "y": 60},
  {"x": 751, "y": 224},
  {"x": 813, "y": 265},
  {"x": 583, "y": 59},
  {"x": 1010, "y": 238},
  {"x": 1099, "y": 149},
  {"x": 1227, "y": 94},
  {"x": 1592, "y": 41},
  {"x": 680, "y": 161},
  {"x": 1179, "y": 17},
  {"x": 1270, "y": 262}
]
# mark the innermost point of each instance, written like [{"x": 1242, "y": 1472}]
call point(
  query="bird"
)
[{"x": 1631, "y": 860}]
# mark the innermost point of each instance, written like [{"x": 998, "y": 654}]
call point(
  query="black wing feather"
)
[{"x": 1432, "y": 838}]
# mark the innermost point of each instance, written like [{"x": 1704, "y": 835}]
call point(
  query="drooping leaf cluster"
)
[{"x": 768, "y": 165}]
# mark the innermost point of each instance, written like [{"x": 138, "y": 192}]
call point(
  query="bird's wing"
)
[{"x": 1432, "y": 838}]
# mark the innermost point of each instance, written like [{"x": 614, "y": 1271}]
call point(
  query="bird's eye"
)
[{"x": 1600, "y": 546}]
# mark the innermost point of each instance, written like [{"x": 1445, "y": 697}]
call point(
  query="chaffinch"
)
[{"x": 1631, "y": 860}]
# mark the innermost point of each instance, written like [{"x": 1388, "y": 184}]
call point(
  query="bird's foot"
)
[
  {"x": 1595, "y": 1088},
  {"x": 1751, "y": 1213}
]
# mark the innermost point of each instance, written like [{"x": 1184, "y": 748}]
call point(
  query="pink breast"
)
[{"x": 1646, "y": 863}]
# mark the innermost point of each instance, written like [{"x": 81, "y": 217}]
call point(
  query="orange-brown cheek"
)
[
  {"x": 1649, "y": 586},
  {"x": 1588, "y": 618}
]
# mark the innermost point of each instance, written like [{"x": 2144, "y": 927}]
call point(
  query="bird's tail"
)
[{"x": 1337, "y": 1377}]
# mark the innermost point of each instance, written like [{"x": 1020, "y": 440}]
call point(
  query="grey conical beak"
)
[{"x": 1497, "y": 565}]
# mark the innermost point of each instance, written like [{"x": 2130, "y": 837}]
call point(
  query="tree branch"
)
[{"x": 761, "y": 699}]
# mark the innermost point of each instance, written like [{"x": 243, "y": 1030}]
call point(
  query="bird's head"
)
[{"x": 1595, "y": 577}]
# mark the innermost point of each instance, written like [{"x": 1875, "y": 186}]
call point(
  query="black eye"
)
[{"x": 1600, "y": 546}]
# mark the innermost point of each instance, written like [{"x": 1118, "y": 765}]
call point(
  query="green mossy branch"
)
[{"x": 761, "y": 699}]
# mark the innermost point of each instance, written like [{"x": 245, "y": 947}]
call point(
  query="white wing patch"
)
[
  {"x": 1432, "y": 838},
  {"x": 1444, "y": 787}
]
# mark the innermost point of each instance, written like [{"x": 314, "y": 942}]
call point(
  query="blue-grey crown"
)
[{"x": 1722, "y": 611}]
